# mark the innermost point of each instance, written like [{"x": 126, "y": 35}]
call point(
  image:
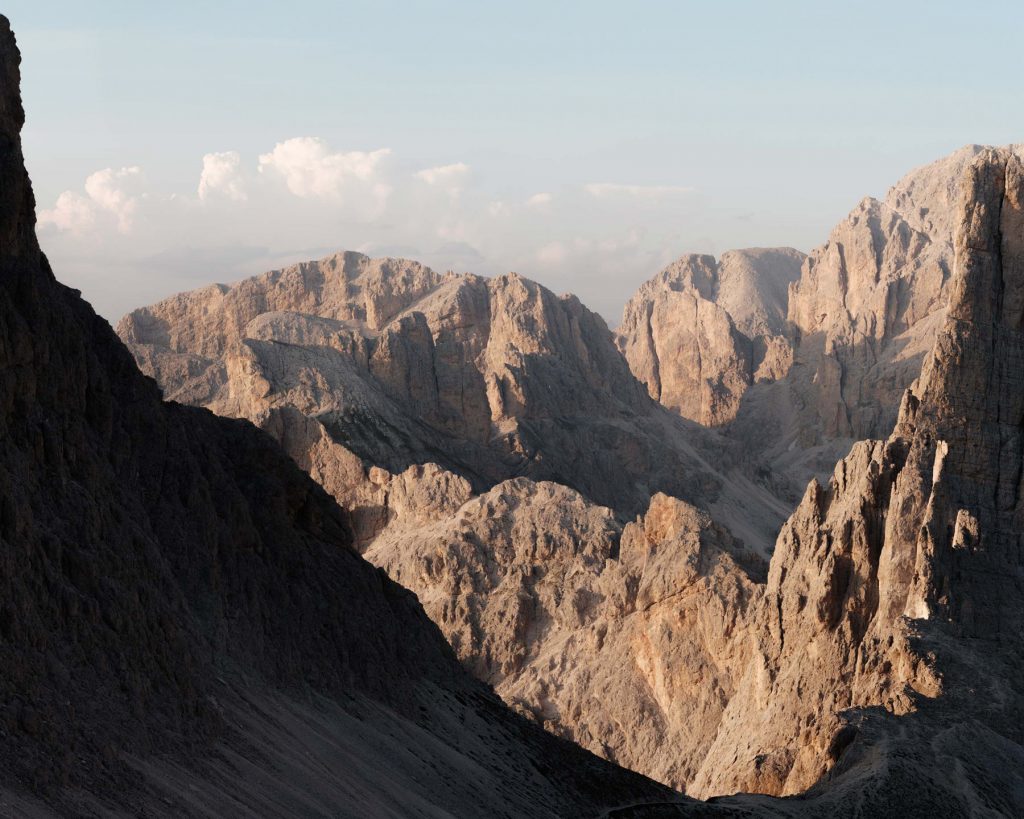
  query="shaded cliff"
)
[
  {"x": 873, "y": 667},
  {"x": 184, "y": 627}
]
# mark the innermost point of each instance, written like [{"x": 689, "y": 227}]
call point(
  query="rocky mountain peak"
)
[
  {"x": 694, "y": 271},
  {"x": 915, "y": 545},
  {"x": 852, "y": 666},
  {"x": 17, "y": 203},
  {"x": 185, "y": 628},
  {"x": 928, "y": 197},
  {"x": 702, "y": 331},
  {"x": 964, "y": 415},
  {"x": 487, "y": 377}
]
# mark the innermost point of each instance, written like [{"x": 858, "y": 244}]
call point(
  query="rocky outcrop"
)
[
  {"x": 702, "y": 331},
  {"x": 901, "y": 584},
  {"x": 831, "y": 358},
  {"x": 629, "y": 641},
  {"x": 487, "y": 378},
  {"x": 877, "y": 665},
  {"x": 184, "y": 628},
  {"x": 863, "y": 317},
  {"x": 882, "y": 649},
  {"x": 869, "y": 302}
]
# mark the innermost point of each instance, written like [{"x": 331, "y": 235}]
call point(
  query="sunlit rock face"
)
[
  {"x": 703, "y": 330},
  {"x": 666, "y": 643},
  {"x": 385, "y": 364},
  {"x": 796, "y": 377}
]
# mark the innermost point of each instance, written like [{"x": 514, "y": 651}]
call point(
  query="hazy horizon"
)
[{"x": 582, "y": 145}]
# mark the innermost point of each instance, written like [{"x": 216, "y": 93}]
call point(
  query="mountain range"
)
[{"x": 357, "y": 538}]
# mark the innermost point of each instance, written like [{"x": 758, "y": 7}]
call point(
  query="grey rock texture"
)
[
  {"x": 869, "y": 302},
  {"x": 842, "y": 671},
  {"x": 900, "y": 585},
  {"x": 184, "y": 628},
  {"x": 702, "y": 331},
  {"x": 627, "y": 640},
  {"x": 175, "y": 591},
  {"x": 489, "y": 379},
  {"x": 832, "y": 357},
  {"x": 876, "y": 669}
]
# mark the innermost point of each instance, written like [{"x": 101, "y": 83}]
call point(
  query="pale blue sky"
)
[{"x": 717, "y": 125}]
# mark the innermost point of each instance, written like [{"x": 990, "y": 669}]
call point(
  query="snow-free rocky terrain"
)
[
  {"x": 187, "y": 626},
  {"x": 184, "y": 626},
  {"x": 503, "y": 485}
]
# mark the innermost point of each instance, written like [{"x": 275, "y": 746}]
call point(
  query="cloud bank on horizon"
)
[{"x": 125, "y": 245}]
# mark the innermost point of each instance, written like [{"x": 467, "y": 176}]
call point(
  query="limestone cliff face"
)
[
  {"x": 881, "y": 648},
  {"x": 473, "y": 427},
  {"x": 798, "y": 376},
  {"x": 487, "y": 378},
  {"x": 903, "y": 580},
  {"x": 702, "y": 331},
  {"x": 869, "y": 305},
  {"x": 869, "y": 302},
  {"x": 629, "y": 641},
  {"x": 184, "y": 627},
  {"x": 961, "y": 492},
  {"x": 186, "y": 630}
]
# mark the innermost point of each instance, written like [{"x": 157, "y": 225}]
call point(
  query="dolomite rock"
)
[
  {"x": 374, "y": 498},
  {"x": 876, "y": 665},
  {"x": 881, "y": 651},
  {"x": 487, "y": 378},
  {"x": 171, "y": 584},
  {"x": 627, "y": 641},
  {"x": 869, "y": 303},
  {"x": 901, "y": 584},
  {"x": 184, "y": 628},
  {"x": 701, "y": 331},
  {"x": 827, "y": 362}
]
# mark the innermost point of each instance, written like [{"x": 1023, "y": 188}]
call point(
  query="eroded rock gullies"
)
[
  {"x": 488, "y": 378},
  {"x": 832, "y": 357},
  {"x": 184, "y": 628},
  {"x": 902, "y": 584},
  {"x": 869, "y": 302},
  {"x": 882, "y": 649},
  {"x": 627, "y": 640},
  {"x": 703, "y": 330},
  {"x": 661, "y": 644}
]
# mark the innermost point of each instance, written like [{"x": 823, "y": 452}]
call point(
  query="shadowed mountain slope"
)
[{"x": 184, "y": 628}]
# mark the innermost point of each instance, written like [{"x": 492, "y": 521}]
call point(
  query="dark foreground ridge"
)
[
  {"x": 183, "y": 626},
  {"x": 185, "y": 630}
]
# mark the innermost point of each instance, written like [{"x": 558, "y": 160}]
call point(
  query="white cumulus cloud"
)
[
  {"x": 71, "y": 212},
  {"x": 222, "y": 176},
  {"x": 301, "y": 197},
  {"x": 311, "y": 170},
  {"x": 447, "y": 176},
  {"x": 107, "y": 192}
]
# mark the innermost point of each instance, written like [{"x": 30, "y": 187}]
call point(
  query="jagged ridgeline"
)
[
  {"x": 187, "y": 627},
  {"x": 666, "y": 643},
  {"x": 184, "y": 628},
  {"x": 658, "y": 641}
]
